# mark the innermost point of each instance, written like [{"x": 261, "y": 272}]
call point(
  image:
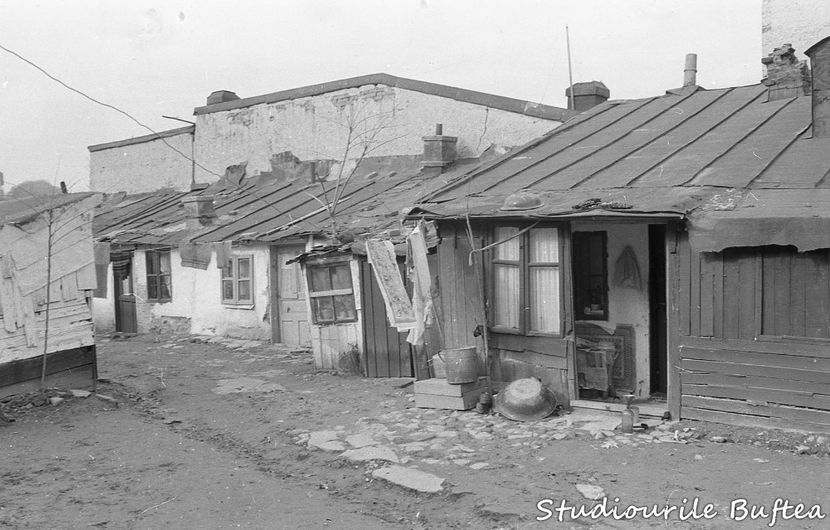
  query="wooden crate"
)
[{"x": 438, "y": 394}]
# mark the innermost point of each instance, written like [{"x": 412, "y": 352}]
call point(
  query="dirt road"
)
[{"x": 237, "y": 434}]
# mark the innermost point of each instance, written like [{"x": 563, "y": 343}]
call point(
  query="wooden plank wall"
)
[
  {"x": 385, "y": 350},
  {"x": 72, "y": 368},
  {"x": 731, "y": 372}
]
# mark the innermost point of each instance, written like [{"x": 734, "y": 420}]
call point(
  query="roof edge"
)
[
  {"x": 536, "y": 110},
  {"x": 142, "y": 139}
]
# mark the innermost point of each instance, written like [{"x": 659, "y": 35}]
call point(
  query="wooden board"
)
[
  {"x": 20, "y": 371},
  {"x": 438, "y": 394}
]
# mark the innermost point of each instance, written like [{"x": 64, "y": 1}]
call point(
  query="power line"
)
[{"x": 132, "y": 118}]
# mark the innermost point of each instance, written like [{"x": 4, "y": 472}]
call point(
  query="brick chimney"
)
[
  {"x": 787, "y": 77},
  {"x": 199, "y": 210},
  {"x": 819, "y": 54},
  {"x": 439, "y": 150},
  {"x": 221, "y": 96},
  {"x": 587, "y": 95}
]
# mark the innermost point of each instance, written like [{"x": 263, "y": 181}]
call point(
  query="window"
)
[
  {"x": 525, "y": 291},
  {"x": 331, "y": 294},
  {"x": 159, "y": 287},
  {"x": 237, "y": 281},
  {"x": 590, "y": 257}
]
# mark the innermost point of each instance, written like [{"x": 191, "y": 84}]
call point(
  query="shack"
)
[{"x": 47, "y": 275}]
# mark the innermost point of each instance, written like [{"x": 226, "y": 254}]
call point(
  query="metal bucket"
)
[{"x": 461, "y": 365}]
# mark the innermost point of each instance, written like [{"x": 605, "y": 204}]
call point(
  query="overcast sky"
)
[{"x": 163, "y": 58}]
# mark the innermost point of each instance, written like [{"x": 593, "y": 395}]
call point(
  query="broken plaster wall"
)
[
  {"x": 801, "y": 23},
  {"x": 103, "y": 309},
  {"x": 144, "y": 166},
  {"x": 627, "y": 305},
  {"x": 313, "y": 128}
]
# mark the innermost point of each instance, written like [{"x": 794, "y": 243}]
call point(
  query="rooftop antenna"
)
[{"x": 571, "y": 105}]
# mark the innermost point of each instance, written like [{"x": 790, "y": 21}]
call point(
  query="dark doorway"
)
[
  {"x": 657, "y": 308},
  {"x": 122, "y": 272}
]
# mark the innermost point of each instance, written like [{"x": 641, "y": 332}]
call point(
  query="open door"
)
[{"x": 125, "y": 315}]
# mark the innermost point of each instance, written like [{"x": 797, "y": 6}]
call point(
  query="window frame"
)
[
  {"x": 234, "y": 278},
  {"x": 525, "y": 266},
  {"x": 331, "y": 293},
  {"x": 154, "y": 255}
]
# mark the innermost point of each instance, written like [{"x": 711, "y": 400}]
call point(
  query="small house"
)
[{"x": 674, "y": 248}]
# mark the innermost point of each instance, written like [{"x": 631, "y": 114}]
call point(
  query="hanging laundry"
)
[
  {"x": 399, "y": 311},
  {"x": 223, "y": 252},
  {"x": 195, "y": 256},
  {"x": 421, "y": 280},
  {"x": 627, "y": 270}
]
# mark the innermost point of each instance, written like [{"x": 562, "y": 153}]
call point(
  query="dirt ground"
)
[{"x": 191, "y": 432}]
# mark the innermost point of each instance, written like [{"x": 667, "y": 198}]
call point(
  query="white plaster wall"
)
[
  {"x": 197, "y": 297},
  {"x": 103, "y": 309},
  {"x": 145, "y": 166},
  {"x": 313, "y": 127},
  {"x": 800, "y": 22},
  {"x": 625, "y": 304}
]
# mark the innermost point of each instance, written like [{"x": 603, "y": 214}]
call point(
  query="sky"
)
[{"x": 154, "y": 58}]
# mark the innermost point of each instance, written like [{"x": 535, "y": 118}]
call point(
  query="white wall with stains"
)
[
  {"x": 144, "y": 166},
  {"x": 317, "y": 127},
  {"x": 801, "y": 23}
]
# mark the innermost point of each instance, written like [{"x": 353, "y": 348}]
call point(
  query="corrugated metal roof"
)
[{"x": 685, "y": 140}]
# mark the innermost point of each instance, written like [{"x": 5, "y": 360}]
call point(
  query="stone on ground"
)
[
  {"x": 360, "y": 440},
  {"x": 590, "y": 491},
  {"x": 371, "y": 452},
  {"x": 410, "y": 478}
]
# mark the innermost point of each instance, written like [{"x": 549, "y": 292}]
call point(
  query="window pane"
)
[
  {"x": 243, "y": 267},
  {"x": 323, "y": 309},
  {"x": 164, "y": 262},
  {"x": 244, "y": 290},
  {"x": 164, "y": 287},
  {"x": 227, "y": 289},
  {"x": 544, "y": 245},
  {"x": 344, "y": 307},
  {"x": 341, "y": 277},
  {"x": 227, "y": 270},
  {"x": 544, "y": 299},
  {"x": 152, "y": 288},
  {"x": 506, "y": 296},
  {"x": 152, "y": 261},
  {"x": 320, "y": 280},
  {"x": 510, "y": 249}
]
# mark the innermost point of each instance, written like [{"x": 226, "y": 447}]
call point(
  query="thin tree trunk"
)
[{"x": 48, "y": 300}]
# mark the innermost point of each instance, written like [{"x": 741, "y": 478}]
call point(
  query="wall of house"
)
[
  {"x": 103, "y": 309},
  {"x": 144, "y": 166},
  {"x": 196, "y": 305},
  {"x": 627, "y": 305},
  {"x": 799, "y": 22},
  {"x": 732, "y": 367},
  {"x": 313, "y": 128}
]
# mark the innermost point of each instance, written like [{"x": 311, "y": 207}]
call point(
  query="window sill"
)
[
  {"x": 338, "y": 323},
  {"x": 159, "y": 301},
  {"x": 227, "y": 305}
]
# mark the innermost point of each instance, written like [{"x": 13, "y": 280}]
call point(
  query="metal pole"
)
[{"x": 571, "y": 105}]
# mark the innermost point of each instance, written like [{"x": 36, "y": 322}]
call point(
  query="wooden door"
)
[
  {"x": 386, "y": 352},
  {"x": 292, "y": 308},
  {"x": 125, "y": 315}
]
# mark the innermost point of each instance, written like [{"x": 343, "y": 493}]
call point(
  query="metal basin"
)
[{"x": 525, "y": 400}]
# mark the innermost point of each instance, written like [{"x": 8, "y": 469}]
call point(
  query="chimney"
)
[
  {"x": 198, "y": 210},
  {"x": 587, "y": 95},
  {"x": 439, "y": 150},
  {"x": 221, "y": 96},
  {"x": 787, "y": 77},
  {"x": 690, "y": 71},
  {"x": 819, "y": 54}
]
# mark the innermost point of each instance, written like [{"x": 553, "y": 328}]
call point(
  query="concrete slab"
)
[
  {"x": 360, "y": 440},
  {"x": 410, "y": 478}
]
